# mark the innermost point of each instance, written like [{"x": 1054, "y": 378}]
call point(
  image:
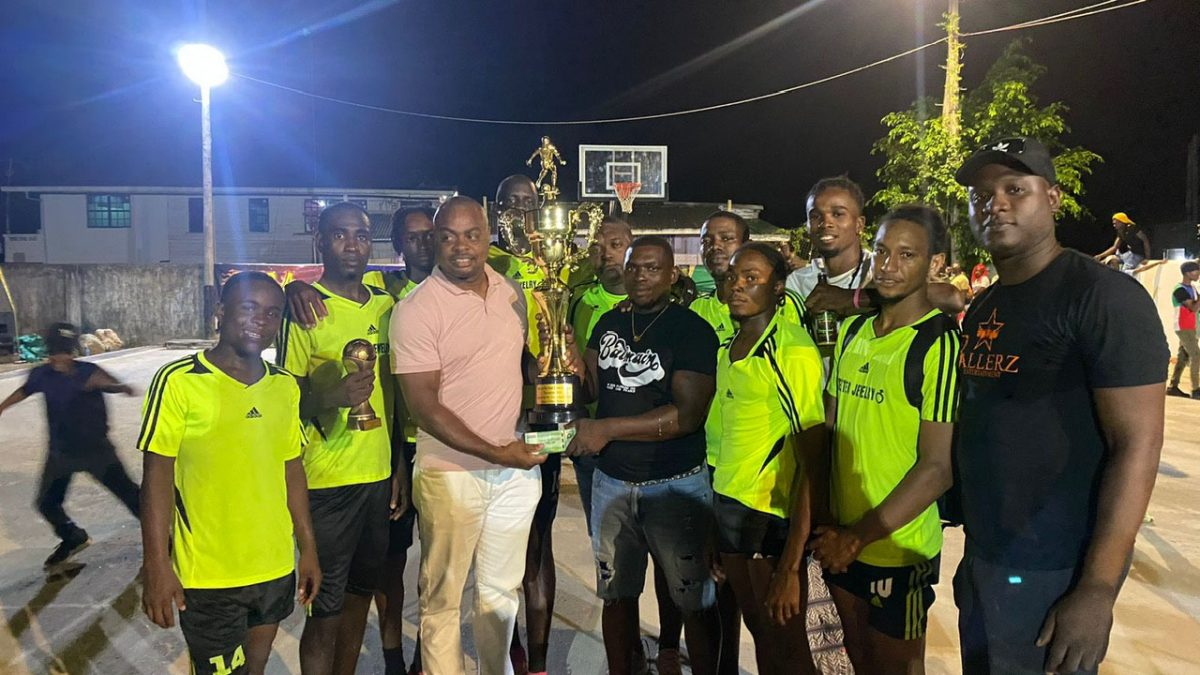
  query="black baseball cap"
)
[{"x": 1022, "y": 153}]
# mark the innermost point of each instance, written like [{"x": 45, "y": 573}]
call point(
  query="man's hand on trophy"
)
[
  {"x": 305, "y": 304},
  {"x": 353, "y": 389}
]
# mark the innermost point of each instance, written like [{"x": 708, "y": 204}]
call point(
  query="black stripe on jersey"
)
[
  {"x": 775, "y": 450},
  {"x": 794, "y": 298},
  {"x": 939, "y": 330},
  {"x": 785, "y": 392},
  {"x": 154, "y": 397},
  {"x": 182, "y": 511},
  {"x": 273, "y": 369},
  {"x": 378, "y": 291},
  {"x": 281, "y": 341},
  {"x": 950, "y": 394}
]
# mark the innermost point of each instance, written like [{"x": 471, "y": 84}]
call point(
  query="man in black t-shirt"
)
[
  {"x": 1060, "y": 429},
  {"x": 78, "y": 426},
  {"x": 651, "y": 370}
]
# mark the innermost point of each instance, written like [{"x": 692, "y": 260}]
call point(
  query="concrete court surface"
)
[{"x": 90, "y": 619}]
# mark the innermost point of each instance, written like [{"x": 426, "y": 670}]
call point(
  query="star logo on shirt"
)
[{"x": 987, "y": 331}]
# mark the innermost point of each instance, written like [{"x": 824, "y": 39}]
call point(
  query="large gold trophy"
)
[{"x": 551, "y": 236}]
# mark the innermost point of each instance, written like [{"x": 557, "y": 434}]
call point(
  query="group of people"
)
[{"x": 715, "y": 439}]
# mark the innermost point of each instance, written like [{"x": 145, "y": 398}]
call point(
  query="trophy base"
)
[
  {"x": 364, "y": 424},
  {"x": 555, "y": 400}
]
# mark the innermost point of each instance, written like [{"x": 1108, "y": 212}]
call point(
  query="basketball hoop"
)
[{"x": 626, "y": 193}]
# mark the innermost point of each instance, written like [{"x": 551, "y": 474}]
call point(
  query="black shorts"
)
[
  {"x": 743, "y": 530},
  {"x": 898, "y": 598},
  {"x": 351, "y": 526},
  {"x": 547, "y": 506},
  {"x": 400, "y": 538},
  {"x": 218, "y": 620}
]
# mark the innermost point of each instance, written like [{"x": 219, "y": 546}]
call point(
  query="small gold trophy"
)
[
  {"x": 552, "y": 244},
  {"x": 359, "y": 355}
]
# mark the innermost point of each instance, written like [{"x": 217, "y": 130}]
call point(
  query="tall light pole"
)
[{"x": 205, "y": 65}]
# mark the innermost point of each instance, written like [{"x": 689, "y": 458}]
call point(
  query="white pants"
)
[{"x": 479, "y": 518}]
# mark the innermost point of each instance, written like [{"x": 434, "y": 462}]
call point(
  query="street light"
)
[{"x": 205, "y": 65}]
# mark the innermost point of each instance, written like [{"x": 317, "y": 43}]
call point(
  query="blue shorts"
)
[{"x": 672, "y": 520}]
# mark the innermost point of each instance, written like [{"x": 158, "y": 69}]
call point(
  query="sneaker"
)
[
  {"x": 1174, "y": 390},
  {"x": 669, "y": 662},
  {"x": 68, "y": 548}
]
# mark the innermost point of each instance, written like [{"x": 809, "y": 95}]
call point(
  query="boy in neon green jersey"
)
[
  {"x": 892, "y": 401},
  {"x": 224, "y": 490}
]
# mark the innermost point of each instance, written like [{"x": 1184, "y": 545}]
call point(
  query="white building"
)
[{"x": 145, "y": 225}]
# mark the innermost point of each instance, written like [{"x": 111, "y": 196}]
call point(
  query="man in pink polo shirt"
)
[{"x": 459, "y": 351}]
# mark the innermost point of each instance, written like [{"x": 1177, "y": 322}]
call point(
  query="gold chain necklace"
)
[{"x": 633, "y": 328}]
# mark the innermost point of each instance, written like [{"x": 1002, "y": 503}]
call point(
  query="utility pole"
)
[{"x": 951, "y": 112}]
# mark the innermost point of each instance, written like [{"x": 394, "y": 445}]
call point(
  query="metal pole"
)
[{"x": 210, "y": 291}]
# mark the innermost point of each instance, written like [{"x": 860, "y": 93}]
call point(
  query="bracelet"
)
[{"x": 857, "y": 293}]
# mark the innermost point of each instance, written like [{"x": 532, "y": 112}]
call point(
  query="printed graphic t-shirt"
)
[
  {"x": 1030, "y": 448},
  {"x": 635, "y": 377}
]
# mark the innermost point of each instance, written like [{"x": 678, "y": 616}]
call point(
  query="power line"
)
[{"x": 1079, "y": 13}]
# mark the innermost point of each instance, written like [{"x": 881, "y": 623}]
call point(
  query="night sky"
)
[{"x": 92, "y": 96}]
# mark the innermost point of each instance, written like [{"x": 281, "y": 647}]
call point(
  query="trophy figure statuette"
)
[
  {"x": 552, "y": 244},
  {"x": 359, "y": 355}
]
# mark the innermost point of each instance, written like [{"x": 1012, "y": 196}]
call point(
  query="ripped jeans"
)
[{"x": 671, "y": 520}]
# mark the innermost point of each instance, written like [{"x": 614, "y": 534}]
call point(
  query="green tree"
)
[{"x": 920, "y": 157}]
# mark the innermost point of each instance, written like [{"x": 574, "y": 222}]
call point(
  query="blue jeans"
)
[{"x": 671, "y": 520}]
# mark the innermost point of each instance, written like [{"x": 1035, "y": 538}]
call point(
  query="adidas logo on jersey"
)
[
  {"x": 721, "y": 327},
  {"x": 372, "y": 330},
  {"x": 253, "y": 414},
  {"x": 866, "y": 367},
  {"x": 728, "y": 393}
]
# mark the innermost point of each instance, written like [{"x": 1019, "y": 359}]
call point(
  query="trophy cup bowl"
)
[
  {"x": 557, "y": 386},
  {"x": 359, "y": 355}
]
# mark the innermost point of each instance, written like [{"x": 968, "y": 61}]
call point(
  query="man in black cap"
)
[
  {"x": 78, "y": 426},
  {"x": 1060, "y": 429}
]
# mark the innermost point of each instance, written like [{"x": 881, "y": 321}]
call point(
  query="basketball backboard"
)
[{"x": 600, "y": 166}]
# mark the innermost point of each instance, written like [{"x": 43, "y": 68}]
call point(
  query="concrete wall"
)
[{"x": 144, "y": 304}]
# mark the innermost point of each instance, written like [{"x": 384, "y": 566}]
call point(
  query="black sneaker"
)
[
  {"x": 1174, "y": 390},
  {"x": 67, "y": 549}
]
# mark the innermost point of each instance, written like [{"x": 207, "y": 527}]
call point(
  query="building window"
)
[
  {"x": 108, "y": 211},
  {"x": 260, "y": 214},
  {"x": 313, "y": 208},
  {"x": 195, "y": 215}
]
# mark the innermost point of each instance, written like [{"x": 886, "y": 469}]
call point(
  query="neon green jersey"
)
[
  {"x": 399, "y": 286},
  {"x": 716, "y": 313},
  {"x": 884, "y": 388},
  {"x": 230, "y": 441},
  {"x": 588, "y": 305},
  {"x": 337, "y": 455},
  {"x": 761, "y": 402}
]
